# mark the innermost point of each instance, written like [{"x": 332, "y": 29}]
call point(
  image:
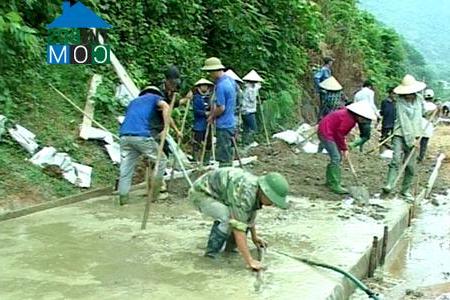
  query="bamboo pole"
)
[
  {"x": 155, "y": 169},
  {"x": 382, "y": 143},
  {"x": 180, "y": 138},
  {"x": 81, "y": 111},
  {"x": 205, "y": 141}
]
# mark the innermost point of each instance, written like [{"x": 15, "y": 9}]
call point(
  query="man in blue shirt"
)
[
  {"x": 223, "y": 111},
  {"x": 136, "y": 138},
  {"x": 321, "y": 75}
]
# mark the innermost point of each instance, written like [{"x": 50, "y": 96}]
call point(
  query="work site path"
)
[{"x": 95, "y": 250}]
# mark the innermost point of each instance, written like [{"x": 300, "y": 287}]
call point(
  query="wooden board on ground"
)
[
  {"x": 90, "y": 104},
  {"x": 56, "y": 203}
]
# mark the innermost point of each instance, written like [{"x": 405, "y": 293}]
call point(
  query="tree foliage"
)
[{"x": 280, "y": 39}]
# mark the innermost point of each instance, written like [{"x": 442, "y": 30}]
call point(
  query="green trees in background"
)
[{"x": 281, "y": 39}]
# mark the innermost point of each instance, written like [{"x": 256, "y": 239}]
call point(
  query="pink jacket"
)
[{"x": 336, "y": 125}]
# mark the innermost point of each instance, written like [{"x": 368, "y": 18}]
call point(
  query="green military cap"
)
[{"x": 275, "y": 187}]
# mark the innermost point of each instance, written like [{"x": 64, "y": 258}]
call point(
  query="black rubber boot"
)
[
  {"x": 230, "y": 246},
  {"x": 215, "y": 241}
]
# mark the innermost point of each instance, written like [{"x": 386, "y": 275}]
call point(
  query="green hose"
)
[{"x": 356, "y": 281}]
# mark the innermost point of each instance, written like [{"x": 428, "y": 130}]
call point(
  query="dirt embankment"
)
[{"x": 306, "y": 172}]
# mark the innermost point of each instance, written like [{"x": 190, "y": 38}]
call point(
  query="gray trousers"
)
[
  {"x": 401, "y": 152},
  {"x": 131, "y": 148},
  {"x": 212, "y": 208}
]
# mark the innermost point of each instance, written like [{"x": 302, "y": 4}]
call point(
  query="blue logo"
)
[{"x": 71, "y": 39}]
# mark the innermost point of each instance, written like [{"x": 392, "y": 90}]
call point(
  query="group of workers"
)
[
  {"x": 403, "y": 118},
  {"x": 232, "y": 196}
]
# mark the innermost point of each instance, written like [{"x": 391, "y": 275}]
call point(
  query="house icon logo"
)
[{"x": 72, "y": 40}]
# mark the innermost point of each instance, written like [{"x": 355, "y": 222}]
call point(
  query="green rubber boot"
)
[
  {"x": 123, "y": 199},
  {"x": 334, "y": 179},
  {"x": 406, "y": 187},
  {"x": 392, "y": 175},
  {"x": 216, "y": 241}
]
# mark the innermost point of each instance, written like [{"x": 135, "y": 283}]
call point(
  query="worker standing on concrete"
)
[
  {"x": 428, "y": 128},
  {"x": 136, "y": 137},
  {"x": 387, "y": 113},
  {"x": 408, "y": 127},
  {"x": 223, "y": 112},
  {"x": 365, "y": 128},
  {"x": 332, "y": 133},
  {"x": 232, "y": 197},
  {"x": 249, "y": 106}
]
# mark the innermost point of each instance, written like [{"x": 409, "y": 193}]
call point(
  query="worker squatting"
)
[{"x": 232, "y": 196}]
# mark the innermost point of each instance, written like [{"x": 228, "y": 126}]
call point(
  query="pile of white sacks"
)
[
  {"x": 77, "y": 174},
  {"x": 304, "y": 136}
]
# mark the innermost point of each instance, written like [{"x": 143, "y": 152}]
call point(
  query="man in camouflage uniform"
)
[{"x": 232, "y": 197}]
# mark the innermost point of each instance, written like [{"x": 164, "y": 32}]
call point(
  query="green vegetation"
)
[
  {"x": 424, "y": 24},
  {"x": 283, "y": 40}
]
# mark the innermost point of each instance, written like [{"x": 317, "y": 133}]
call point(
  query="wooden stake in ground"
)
[
  {"x": 89, "y": 106},
  {"x": 434, "y": 174},
  {"x": 263, "y": 119},
  {"x": 80, "y": 110},
  {"x": 155, "y": 168}
]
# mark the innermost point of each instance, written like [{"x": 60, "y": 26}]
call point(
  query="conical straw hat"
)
[
  {"x": 253, "y": 76},
  {"x": 363, "y": 109},
  {"x": 233, "y": 75},
  {"x": 429, "y": 106},
  {"x": 409, "y": 85},
  {"x": 331, "y": 84},
  {"x": 203, "y": 81}
]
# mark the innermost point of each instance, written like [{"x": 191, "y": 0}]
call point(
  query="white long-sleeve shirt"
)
[{"x": 366, "y": 94}]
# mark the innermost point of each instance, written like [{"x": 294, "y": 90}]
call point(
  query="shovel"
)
[{"x": 358, "y": 192}]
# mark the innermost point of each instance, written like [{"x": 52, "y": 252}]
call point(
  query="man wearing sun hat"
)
[
  {"x": 408, "y": 128},
  {"x": 223, "y": 112},
  {"x": 249, "y": 105},
  {"x": 136, "y": 137},
  {"x": 332, "y": 133},
  {"x": 232, "y": 197}
]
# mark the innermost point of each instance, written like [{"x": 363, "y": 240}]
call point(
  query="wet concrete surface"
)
[
  {"x": 95, "y": 250},
  {"x": 419, "y": 265}
]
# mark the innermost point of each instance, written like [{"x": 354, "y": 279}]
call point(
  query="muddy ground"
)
[{"x": 306, "y": 172}]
